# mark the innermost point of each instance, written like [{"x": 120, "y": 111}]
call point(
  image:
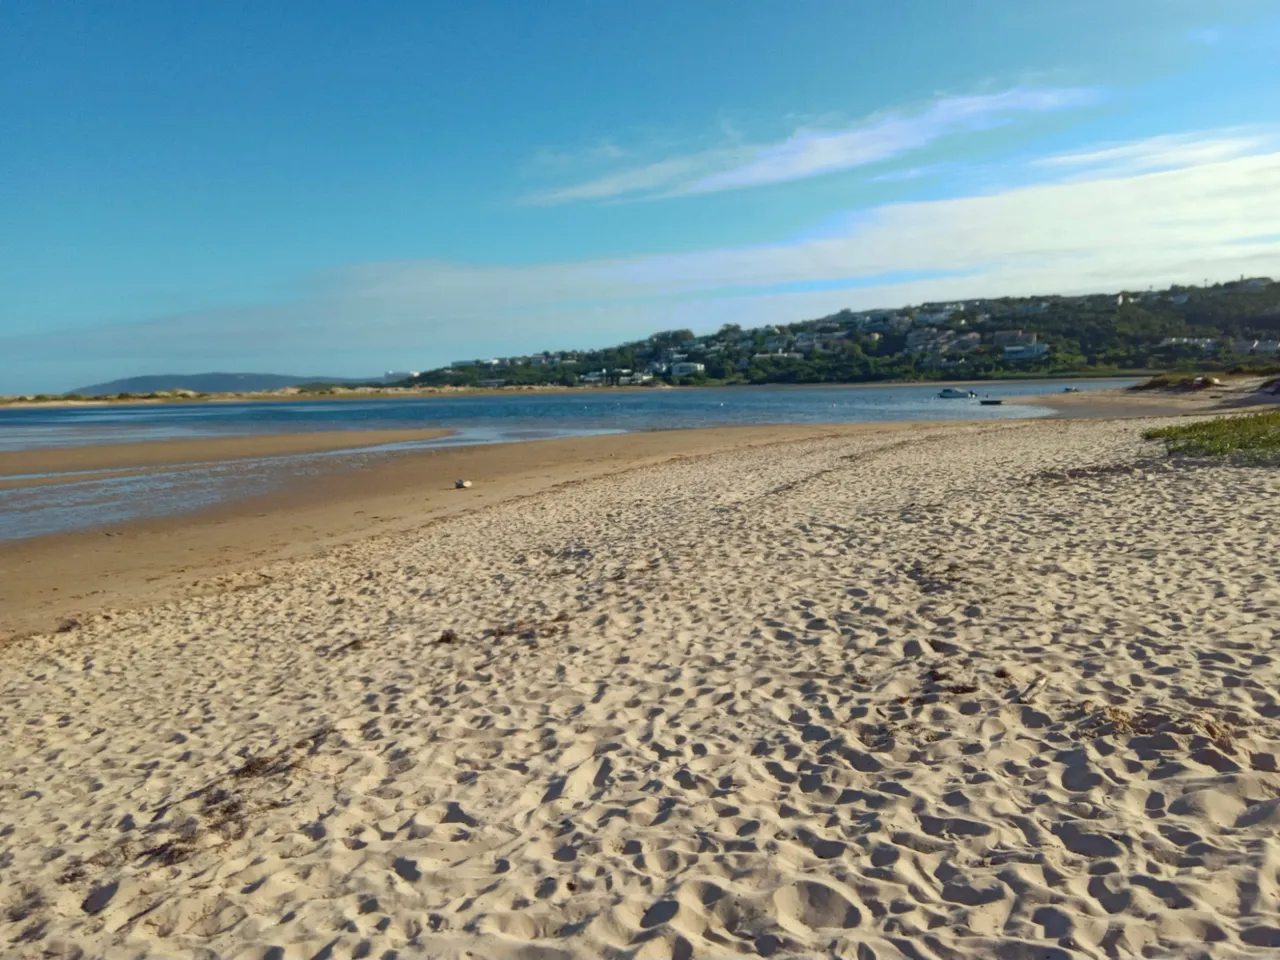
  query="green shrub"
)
[{"x": 1253, "y": 437}]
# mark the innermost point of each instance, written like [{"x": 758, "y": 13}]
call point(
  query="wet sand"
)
[
  {"x": 90, "y": 458},
  {"x": 46, "y": 580}
]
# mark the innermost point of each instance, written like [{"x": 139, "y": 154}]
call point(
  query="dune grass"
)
[{"x": 1253, "y": 437}]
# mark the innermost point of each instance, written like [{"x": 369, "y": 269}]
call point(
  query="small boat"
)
[
  {"x": 951, "y": 393},
  {"x": 1070, "y": 389},
  {"x": 991, "y": 403}
]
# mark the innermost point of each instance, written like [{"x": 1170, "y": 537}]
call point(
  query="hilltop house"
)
[
  {"x": 887, "y": 323},
  {"x": 1012, "y": 338},
  {"x": 1026, "y": 351},
  {"x": 687, "y": 369},
  {"x": 1261, "y": 348},
  {"x": 1204, "y": 344},
  {"x": 929, "y": 340},
  {"x": 932, "y": 317},
  {"x": 778, "y": 355},
  {"x": 457, "y": 364},
  {"x": 809, "y": 342}
]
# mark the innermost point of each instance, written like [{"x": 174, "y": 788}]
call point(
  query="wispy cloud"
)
[
  {"x": 1164, "y": 152},
  {"x": 911, "y": 173},
  {"x": 603, "y": 151},
  {"x": 814, "y": 152}
]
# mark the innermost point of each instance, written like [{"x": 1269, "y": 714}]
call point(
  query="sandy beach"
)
[
  {"x": 936, "y": 691},
  {"x": 1232, "y": 394},
  {"x": 74, "y": 575}
]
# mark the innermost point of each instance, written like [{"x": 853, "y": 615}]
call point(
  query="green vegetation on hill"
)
[{"x": 1224, "y": 327}]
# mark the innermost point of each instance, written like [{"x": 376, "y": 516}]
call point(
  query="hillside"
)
[
  {"x": 200, "y": 383},
  {"x": 1217, "y": 327}
]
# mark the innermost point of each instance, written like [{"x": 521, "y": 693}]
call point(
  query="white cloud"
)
[
  {"x": 1113, "y": 230},
  {"x": 911, "y": 173},
  {"x": 1212, "y": 218},
  {"x": 603, "y": 151},
  {"x": 1164, "y": 153},
  {"x": 813, "y": 152}
]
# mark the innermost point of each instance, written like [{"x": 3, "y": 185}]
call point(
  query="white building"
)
[
  {"x": 778, "y": 355},
  {"x": 929, "y": 340},
  {"x": 687, "y": 369},
  {"x": 932, "y": 317},
  {"x": 1204, "y": 344},
  {"x": 1026, "y": 351}
]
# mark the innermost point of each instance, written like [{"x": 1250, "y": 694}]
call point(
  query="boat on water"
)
[
  {"x": 991, "y": 403},
  {"x": 951, "y": 393},
  {"x": 1070, "y": 389}
]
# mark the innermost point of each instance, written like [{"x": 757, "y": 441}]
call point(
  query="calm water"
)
[{"x": 93, "y": 501}]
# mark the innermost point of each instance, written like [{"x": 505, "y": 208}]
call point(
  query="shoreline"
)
[
  {"x": 123, "y": 562},
  {"x": 1231, "y": 396},
  {"x": 77, "y": 574},
  {"x": 407, "y": 393}
]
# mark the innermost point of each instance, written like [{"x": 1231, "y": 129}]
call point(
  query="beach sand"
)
[
  {"x": 1233, "y": 394},
  {"x": 952, "y": 691},
  {"x": 48, "y": 580}
]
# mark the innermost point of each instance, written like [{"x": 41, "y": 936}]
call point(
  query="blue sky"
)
[{"x": 341, "y": 188}]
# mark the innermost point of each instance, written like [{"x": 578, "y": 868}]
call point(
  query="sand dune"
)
[{"x": 1005, "y": 691}]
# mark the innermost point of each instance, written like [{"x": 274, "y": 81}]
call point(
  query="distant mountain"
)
[{"x": 203, "y": 383}]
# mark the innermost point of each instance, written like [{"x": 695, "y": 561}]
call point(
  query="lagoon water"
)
[
  {"x": 515, "y": 415},
  {"x": 72, "y": 504}
]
